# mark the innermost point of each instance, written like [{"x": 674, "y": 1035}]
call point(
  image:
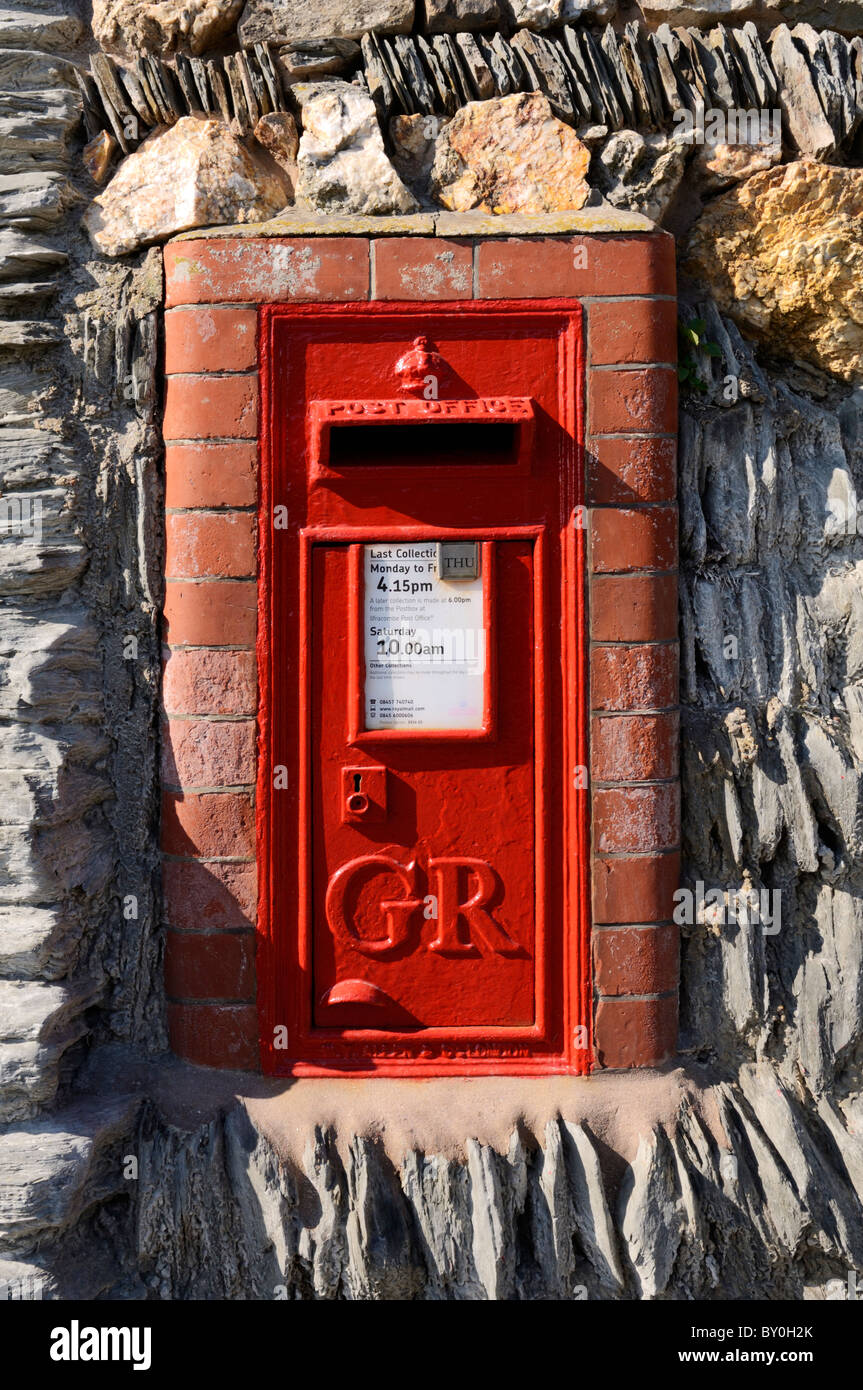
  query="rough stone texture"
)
[
  {"x": 318, "y": 58},
  {"x": 772, "y": 557},
  {"x": 413, "y": 146},
  {"x": 454, "y": 16},
  {"x": 744, "y": 1182},
  {"x": 191, "y": 175},
  {"x": 542, "y": 14},
  {"x": 758, "y": 1171},
  {"x": 98, "y": 154},
  {"x": 291, "y": 21},
  {"x": 846, "y": 15},
  {"x": 642, "y": 172},
  {"x": 510, "y": 155},
  {"x": 343, "y": 167},
  {"x": 721, "y": 165},
  {"x": 783, "y": 253},
  {"x": 277, "y": 134},
  {"x": 163, "y": 26},
  {"x": 802, "y": 109},
  {"x": 79, "y": 950}
]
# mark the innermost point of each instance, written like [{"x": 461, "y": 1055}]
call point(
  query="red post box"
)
[
  {"x": 425, "y": 819},
  {"x": 419, "y": 751}
]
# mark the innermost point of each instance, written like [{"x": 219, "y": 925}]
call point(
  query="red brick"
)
[
  {"x": 571, "y": 267},
  {"x": 631, "y": 470},
  {"x": 642, "y": 539},
  {"x": 218, "y": 825},
  {"x": 422, "y": 268},
  {"x": 261, "y": 270},
  {"x": 210, "y": 544},
  {"x": 215, "y": 1035},
  {"x": 198, "y": 896},
  {"x": 639, "y": 889},
  {"x": 211, "y": 475},
  {"x": 210, "y": 614},
  {"x": 637, "y": 398},
  {"x": 211, "y": 407},
  {"x": 202, "y": 681},
  {"x": 634, "y": 678},
  {"x": 631, "y": 819},
  {"x": 635, "y": 1032},
  {"x": 632, "y": 330},
  {"x": 633, "y": 608},
  {"x": 211, "y": 340},
  {"x": 210, "y": 965},
  {"x": 208, "y": 753},
  {"x": 636, "y": 960},
  {"x": 634, "y": 747}
]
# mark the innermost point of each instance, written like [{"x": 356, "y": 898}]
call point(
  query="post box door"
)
[
  {"x": 423, "y": 873},
  {"x": 424, "y": 856}
]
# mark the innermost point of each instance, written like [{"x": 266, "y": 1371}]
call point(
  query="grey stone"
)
[
  {"x": 481, "y": 75},
  {"x": 448, "y": 57},
  {"x": 398, "y": 77},
  {"x": 454, "y": 16},
  {"x": 802, "y": 112},
  {"x": 29, "y": 289},
  {"x": 502, "y": 84},
  {"x": 828, "y": 85},
  {"x": 713, "y": 65},
  {"x": 751, "y": 51},
  {"x": 39, "y": 26},
  {"x": 720, "y": 42},
  {"x": 377, "y": 74},
  {"x": 675, "y": 98},
  {"x": 545, "y": 14},
  {"x": 641, "y": 172},
  {"x": 642, "y": 77},
  {"x": 29, "y": 335},
  {"x": 579, "y": 89},
  {"x": 603, "y": 82},
  {"x": 342, "y": 163},
  {"x": 420, "y": 87},
  {"x": 20, "y": 254},
  {"x": 318, "y": 58},
  {"x": 548, "y": 74},
  {"x": 34, "y": 201},
  {"x": 294, "y": 21},
  {"x": 445, "y": 98},
  {"x": 830, "y": 63},
  {"x": 691, "y": 54},
  {"x": 617, "y": 75},
  {"x": 509, "y": 59}
]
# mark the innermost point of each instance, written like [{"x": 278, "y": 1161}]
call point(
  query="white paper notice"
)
[{"x": 424, "y": 642}]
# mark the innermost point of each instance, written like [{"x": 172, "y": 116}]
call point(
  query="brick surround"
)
[{"x": 210, "y": 701}]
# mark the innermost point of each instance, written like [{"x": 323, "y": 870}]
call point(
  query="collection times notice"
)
[{"x": 424, "y": 642}]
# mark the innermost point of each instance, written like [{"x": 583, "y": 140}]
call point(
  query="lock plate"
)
[{"x": 364, "y": 795}]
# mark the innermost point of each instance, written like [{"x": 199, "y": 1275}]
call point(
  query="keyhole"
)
[{"x": 357, "y": 781}]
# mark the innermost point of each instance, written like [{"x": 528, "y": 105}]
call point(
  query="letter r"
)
[{"x": 474, "y": 909}]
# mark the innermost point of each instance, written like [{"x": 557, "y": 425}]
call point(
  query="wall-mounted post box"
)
[
  {"x": 420, "y": 786},
  {"x": 427, "y": 831}
]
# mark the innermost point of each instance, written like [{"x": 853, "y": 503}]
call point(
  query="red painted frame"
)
[{"x": 278, "y": 960}]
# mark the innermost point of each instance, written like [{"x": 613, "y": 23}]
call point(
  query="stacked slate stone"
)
[
  {"x": 634, "y": 79},
  {"x": 40, "y": 110},
  {"x": 129, "y": 102}
]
